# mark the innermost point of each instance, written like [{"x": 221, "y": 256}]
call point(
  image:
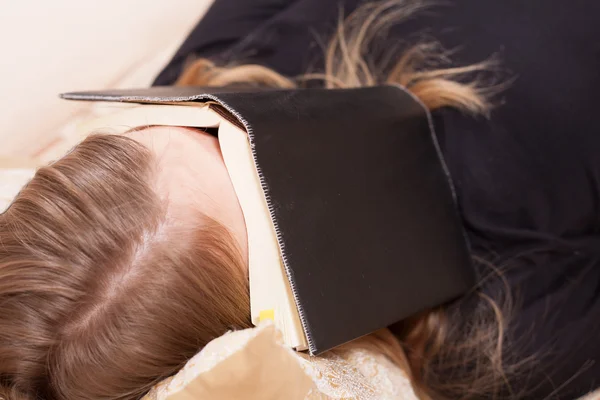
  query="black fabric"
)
[
  {"x": 528, "y": 179},
  {"x": 286, "y": 35}
]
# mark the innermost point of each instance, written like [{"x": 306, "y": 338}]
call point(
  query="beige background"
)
[{"x": 54, "y": 46}]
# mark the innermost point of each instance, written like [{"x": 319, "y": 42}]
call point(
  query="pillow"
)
[
  {"x": 67, "y": 45},
  {"x": 13, "y": 175}
]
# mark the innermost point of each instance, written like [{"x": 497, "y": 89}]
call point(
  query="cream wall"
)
[{"x": 52, "y": 46}]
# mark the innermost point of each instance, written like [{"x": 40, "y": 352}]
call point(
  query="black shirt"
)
[{"x": 527, "y": 179}]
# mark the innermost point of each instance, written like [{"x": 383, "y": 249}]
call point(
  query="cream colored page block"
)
[
  {"x": 269, "y": 287},
  {"x": 125, "y": 117}
]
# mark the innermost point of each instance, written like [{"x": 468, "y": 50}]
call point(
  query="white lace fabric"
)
[{"x": 253, "y": 364}]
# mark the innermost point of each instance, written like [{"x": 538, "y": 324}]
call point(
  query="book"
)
[{"x": 350, "y": 211}]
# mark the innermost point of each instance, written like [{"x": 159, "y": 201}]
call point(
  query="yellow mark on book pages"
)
[{"x": 266, "y": 314}]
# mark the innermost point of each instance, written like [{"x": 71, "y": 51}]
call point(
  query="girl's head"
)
[{"x": 117, "y": 264}]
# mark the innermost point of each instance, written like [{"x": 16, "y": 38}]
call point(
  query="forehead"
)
[
  {"x": 161, "y": 139},
  {"x": 190, "y": 169}
]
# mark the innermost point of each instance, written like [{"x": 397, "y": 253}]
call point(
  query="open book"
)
[{"x": 350, "y": 212}]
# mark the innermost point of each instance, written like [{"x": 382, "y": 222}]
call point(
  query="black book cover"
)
[{"x": 360, "y": 198}]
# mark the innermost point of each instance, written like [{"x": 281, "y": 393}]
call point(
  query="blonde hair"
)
[
  {"x": 447, "y": 354},
  {"x": 348, "y": 64},
  {"x": 101, "y": 297}
]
